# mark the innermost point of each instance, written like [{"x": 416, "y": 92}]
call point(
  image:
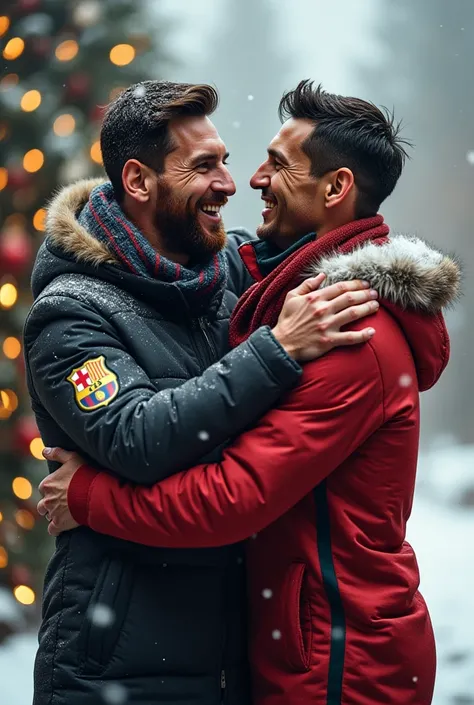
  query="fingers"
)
[
  {"x": 335, "y": 290},
  {"x": 352, "y": 298},
  {"x": 354, "y": 313},
  {"x": 311, "y": 284},
  {"x": 41, "y": 508},
  {"x": 58, "y": 455},
  {"x": 353, "y": 337}
]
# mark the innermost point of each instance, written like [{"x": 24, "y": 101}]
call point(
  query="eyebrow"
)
[
  {"x": 277, "y": 155},
  {"x": 207, "y": 157}
]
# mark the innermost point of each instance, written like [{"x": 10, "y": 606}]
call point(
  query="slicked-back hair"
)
[
  {"x": 352, "y": 133},
  {"x": 136, "y": 123}
]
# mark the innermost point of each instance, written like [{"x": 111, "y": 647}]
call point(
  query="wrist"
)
[{"x": 285, "y": 343}]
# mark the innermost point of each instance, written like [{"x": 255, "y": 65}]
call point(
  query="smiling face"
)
[{"x": 294, "y": 200}]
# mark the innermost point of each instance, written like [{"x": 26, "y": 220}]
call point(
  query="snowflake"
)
[
  {"x": 415, "y": 679},
  {"x": 276, "y": 634},
  {"x": 203, "y": 436},
  {"x": 236, "y": 124},
  {"x": 139, "y": 91},
  {"x": 470, "y": 157},
  {"x": 101, "y": 615},
  {"x": 337, "y": 633},
  {"x": 267, "y": 593},
  {"x": 405, "y": 380},
  {"x": 250, "y": 97},
  {"x": 114, "y": 694}
]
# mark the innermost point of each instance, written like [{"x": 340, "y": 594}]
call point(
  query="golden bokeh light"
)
[
  {"x": 4, "y": 24},
  {"x": 13, "y": 48},
  {"x": 3, "y": 557},
  {"x": 39, "y": 219},
  {"x": 22, "y": 488},
  {"x": 33, "y": 160},
  {"x": 96, "y": 153},
  {"x": 3, "y": 131},
  {"x": 25, "y": 519},
  {"x": 30, "y": 101},
  {"x": 11, "y": 348},
  {"x": 67, "y": 50},
  {"x": 36, "y": 448},
  {"x": 9, "y": 400},
  {"x": 122, "y": 54},
  {"x": 24, "y": 594},
  {"x": 8, "y": 295},
  {"x": 64, "y": 125},
  {"x": 3, "y": 177},
  {"x": 1, "y": 517}
]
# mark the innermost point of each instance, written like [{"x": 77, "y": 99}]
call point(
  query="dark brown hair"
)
[
  {"x": 352, "y": 133},
  {"x": 136, "y": 123}
]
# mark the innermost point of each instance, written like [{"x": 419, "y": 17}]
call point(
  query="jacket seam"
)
[{"x": 381, "y": 380}]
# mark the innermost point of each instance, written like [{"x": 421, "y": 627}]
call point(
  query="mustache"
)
[{"x": 215, "y": 200}]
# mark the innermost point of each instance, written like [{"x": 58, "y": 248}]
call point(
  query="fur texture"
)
[
  {"x": 66, "y": 232},
  {"x": 406, "y": 271}
]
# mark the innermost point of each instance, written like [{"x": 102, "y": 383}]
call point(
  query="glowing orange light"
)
[
  {"x": 64, "y": 125},
  {"x": 3, "y": 557},
  {"x": 4, "y": 24},
  {"x": 39, "y": 219},
  {"x": 24, "y": 594},
  {"x": 8, "y": 295},
  {"x": 9, "y": 400},
  {"x": 25, "y": 519},
  {"x": 33, "y": 160},
  {"x": 30, "y": 101},
  {"x": 11, "y": 79},
  {"x": 96, "y": 153},
  {"x": 22, "y": 488},
  {"x": 3, "y": 177},
  {"x": 67, "y": 50},
  {"x": 13, "y": 48},
  {"x": 122, "y": 54},
  {"x": 36, "y": 448}
]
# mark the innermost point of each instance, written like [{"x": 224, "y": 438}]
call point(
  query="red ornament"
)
[
  {"x": 78, "y": 85},
  {"x": 28, "y": 5},
  {"x": 25, "y": 431},
  {"x": 20, "y": 574},
  {"x": 15, "y": 251},
  {"x": 18, "y": 178}
]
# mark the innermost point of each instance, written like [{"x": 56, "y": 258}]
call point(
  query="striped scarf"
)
[{"x": 103, "y": 218}]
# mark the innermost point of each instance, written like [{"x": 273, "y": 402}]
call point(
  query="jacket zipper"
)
[{"x": 204, "y": 326}]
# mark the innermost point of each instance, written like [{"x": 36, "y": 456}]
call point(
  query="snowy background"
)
[{"x": 413, "y": 56}]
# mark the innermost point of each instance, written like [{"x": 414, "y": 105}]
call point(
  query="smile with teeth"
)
[
  {"x": 270, "y": 204},
  {"x": 211, "y": 209}
]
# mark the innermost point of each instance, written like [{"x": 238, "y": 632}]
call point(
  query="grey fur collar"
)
[{"x": 406, "y": 271}]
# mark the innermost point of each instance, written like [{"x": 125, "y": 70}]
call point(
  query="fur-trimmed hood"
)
[
  {"x": 64, "y": 230},
  {"x": 405, "y": 271}
]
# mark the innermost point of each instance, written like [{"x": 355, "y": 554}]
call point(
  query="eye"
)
[
  {"x": 225, "y": 162},
  {"x": 204, "y": 166}
]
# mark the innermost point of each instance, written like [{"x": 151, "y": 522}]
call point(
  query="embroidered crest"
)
[{"x": 94, "y": 384}]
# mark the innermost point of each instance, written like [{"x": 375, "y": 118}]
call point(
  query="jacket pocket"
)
[
  {"x": 106, "y": 614},
  {"x": 297, "y": 634}
]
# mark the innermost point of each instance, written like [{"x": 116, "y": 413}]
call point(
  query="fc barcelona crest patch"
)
[{"x": 94, "y": 384}]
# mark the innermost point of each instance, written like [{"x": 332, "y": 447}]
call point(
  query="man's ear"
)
[
  {"x": 339, "y": 186},
  {"x": 137, "y": 180}
]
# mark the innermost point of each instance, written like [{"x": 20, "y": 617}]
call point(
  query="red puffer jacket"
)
[{"x": 336, "y": 616}]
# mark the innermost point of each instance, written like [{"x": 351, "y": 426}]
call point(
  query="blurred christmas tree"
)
[{"x": 63, "y": 60}]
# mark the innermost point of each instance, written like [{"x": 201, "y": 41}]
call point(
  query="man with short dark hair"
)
[
  {"x": 327, "y": 477},
  {"x": 126, "y": 362}
]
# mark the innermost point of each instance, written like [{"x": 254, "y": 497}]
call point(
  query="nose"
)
[
  {"x": 261, "y": 178},
  {"x": 224, "y": 183}
]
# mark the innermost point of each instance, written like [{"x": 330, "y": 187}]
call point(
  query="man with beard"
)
[
  {"x": 327, "y": 477},
  {"x": 126, "y": 362}
]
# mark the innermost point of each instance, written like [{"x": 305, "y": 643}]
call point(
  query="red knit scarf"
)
[{"x": 262, "y": 303}]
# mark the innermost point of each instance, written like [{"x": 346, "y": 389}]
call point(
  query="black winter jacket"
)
[{"x": 166, "y": 625}]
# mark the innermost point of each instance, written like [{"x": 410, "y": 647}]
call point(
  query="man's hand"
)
[
  {"x": 54, "y": 489},
  {"x": 311, "y": 319}
]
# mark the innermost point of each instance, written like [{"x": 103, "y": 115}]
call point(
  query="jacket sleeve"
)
[
  {"x": 144, "y": 435},
  {"x": 262, "y": 474}
]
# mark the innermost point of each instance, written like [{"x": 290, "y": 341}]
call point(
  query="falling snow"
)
[
  {"x": 114, "y": 694},
  {"x": 101, "y": 615},
  {"x": 276, "y": 634},
  {"x": 405, "y": 381},
  {"x": 203, "y": 436},
  {"x": 267, "y": 593},
  {"x": 470, "y": 156}
]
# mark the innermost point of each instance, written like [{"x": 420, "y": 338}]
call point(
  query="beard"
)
[{"x": 181, "y": 230}]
